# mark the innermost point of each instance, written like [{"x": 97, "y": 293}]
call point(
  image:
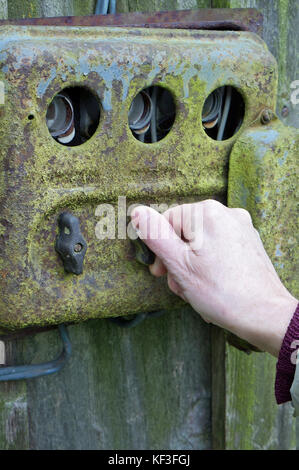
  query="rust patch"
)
[
  {"x": 235, "y": 19},
  {"x": 40, "y": 178}
]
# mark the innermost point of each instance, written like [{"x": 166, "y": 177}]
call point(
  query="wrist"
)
[
  {"x": 287, "y": 360},
  {"x": 268, "y": 324},
  {"x": 282, "y": 313}
]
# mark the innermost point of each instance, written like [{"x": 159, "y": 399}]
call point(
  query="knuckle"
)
[
  {"x": 213, "y": 209},
  {"x": 172, "y": 211},
  {"x": 244, "y": 214},
  {"x": 212, "y": 203}
]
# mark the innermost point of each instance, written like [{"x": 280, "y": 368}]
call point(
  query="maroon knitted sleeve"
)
[{"x": 286, "y": 366}]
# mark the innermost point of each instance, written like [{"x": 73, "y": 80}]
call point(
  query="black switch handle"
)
[{"x": 142, "y": 253}]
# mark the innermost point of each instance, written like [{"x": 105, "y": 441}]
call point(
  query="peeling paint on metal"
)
[
  {"x": 43, "y": 85},
  {"x": 277, "y": 251},
  {"x": 283, "y": 159},
  {"x": 40, "y": 178},
  {"x": 271, "y": 189}
]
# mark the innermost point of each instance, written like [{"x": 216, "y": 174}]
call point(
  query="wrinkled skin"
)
[{"x": 215, "y": 260}]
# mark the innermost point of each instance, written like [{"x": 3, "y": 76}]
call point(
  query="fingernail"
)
[{"x": 135, "y": 219}]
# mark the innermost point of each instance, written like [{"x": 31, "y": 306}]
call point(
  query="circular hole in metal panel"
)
[
  {"x": 152, "y": 114},
  {"x": 73, "y": 116},
  {"x": 223, "y": 113}
]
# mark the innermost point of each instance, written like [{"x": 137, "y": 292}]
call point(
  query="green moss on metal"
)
[
  {"x": 262, "y": 179},
  {"x": 40, "y": 178},
  {"x": 284, "y": 10}
]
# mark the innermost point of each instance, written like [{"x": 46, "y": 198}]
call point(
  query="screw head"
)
[
  {"x": 285, "y": 111},
  {"x": 78, "y": 247},
  {"x": 267, "y": 116}
]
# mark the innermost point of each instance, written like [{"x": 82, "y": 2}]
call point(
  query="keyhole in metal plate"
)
[
  {"x": 70, "y": 243},
  {"x": 78, "y": 247}
]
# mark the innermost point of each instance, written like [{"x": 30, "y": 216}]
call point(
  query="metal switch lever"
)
[
  {"x": 142, "y": 253},
  {"x": 70, "y": 243}
]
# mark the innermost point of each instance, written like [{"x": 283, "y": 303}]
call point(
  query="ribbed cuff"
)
[{"x": 286, "y": 364}]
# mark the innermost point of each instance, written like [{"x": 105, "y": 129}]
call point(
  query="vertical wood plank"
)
[
  {"x": 43, "y": 8},
  {"x": 3, "y": 9},
  {"x": 125, "y": 6},
  {"x": 14, "y": 431},
  {"x": 145, "y": 388},
  {"x": 13, "y": 396},
  {"x": 281, "y": 20},
  {"x": 253, "y": 420},
  {"x": 218, "y": 378},
  {"x": 2, "y": 353}
]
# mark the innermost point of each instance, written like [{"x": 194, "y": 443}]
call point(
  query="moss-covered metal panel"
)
[
  {"x": 41, "y": 178},
  {"x": 263, "y": 178}
]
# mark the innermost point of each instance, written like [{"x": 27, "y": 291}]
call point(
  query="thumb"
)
[{"x": 159, "y": 235}]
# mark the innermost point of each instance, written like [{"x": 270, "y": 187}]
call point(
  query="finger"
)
[
  {"x": 187, "y": 221},
  {"x": 157, "y": 268},
  {"x": 154, "y": 229},
  {"x": 242, "y": 214}
]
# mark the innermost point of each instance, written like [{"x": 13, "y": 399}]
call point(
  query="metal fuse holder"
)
[{"x": 40, "y": 177}]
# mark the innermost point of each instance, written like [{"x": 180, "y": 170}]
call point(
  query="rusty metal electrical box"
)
[{"x": 98, "y": 84}]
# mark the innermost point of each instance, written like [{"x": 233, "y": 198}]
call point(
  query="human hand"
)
[{"x": 215, "y": 260}]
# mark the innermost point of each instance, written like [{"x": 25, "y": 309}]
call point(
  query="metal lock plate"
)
[{"x": 40, "y": 178}]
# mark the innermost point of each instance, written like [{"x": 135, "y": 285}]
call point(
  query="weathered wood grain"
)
[
  {"x": 281, "y": 20},
  {"x": 3, "y": 9},
  {"x": 145, "y": 388},
  {"x": 42, "y": 8},
  {"x": 124, "y": 6},
  {"x": 13, "y": 409}
]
